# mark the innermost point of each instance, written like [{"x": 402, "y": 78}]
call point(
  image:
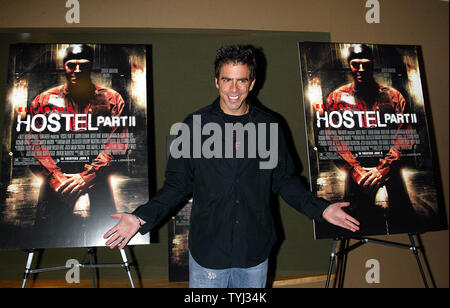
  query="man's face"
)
[
  {"x": 78, "y": 71},
  {"x": 234, "y": 84},
  {"x": 361, "y": 70}
]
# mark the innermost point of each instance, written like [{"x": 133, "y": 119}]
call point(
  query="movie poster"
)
[
  {"x": 74, "y": 143},
  {"x": 178, "y": 235},
  {"x": 179, "y": 244},
  {"x": 368, "y": 140}
]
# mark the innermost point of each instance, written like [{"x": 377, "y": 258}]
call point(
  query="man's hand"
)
[
  {"x": 335, "y": 215},
  {"x": 123, "y": 231}
]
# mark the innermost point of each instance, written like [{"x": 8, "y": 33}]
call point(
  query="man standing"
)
[
  {"x": 232, "y": 231},
  {"x": 76, "y": 192}
]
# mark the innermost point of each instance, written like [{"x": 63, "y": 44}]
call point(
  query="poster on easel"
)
[
  {"x": 368, "y": 137},
  {"x": 74, "y": 144}
]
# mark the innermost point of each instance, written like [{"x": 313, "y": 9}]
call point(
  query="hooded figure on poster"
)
[
  {"x": 76, "y": 131},
  {"x": 368, "y": 139}
]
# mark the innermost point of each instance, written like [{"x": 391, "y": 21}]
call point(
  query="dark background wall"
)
[{"x": 164, "y": 24}]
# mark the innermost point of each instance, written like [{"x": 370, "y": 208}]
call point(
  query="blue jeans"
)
[{"x": 252, "y": 277}]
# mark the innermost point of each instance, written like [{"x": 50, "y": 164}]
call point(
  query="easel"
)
[
  {"x": 91, "y": 265},
  {"x": 345, "y": 249}
]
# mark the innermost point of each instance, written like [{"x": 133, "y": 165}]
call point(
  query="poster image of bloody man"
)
[
  {"x": 368, "y": 139},
  {"x": 76, "y": 128}
]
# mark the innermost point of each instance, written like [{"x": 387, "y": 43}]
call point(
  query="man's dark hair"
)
[
  {"x": 79, "y": 51},
  {"x": 359, "y": 51},
  {"x": 237, "y": 54}
]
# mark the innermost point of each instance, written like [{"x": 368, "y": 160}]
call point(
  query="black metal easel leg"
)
[
  {"x": 332, "y": 258},
  {"x": 414, "y": 249},
  {"x": 91, "y": 252},
  {"x": 28, "y": 267},
  {"x": 342, "y": 262},
  {"x": 92, "y": 265},
  {"x": 127, "y": 266},
  {"x": 425, "y": 259},
  {"x": 345, "y": 248}
]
